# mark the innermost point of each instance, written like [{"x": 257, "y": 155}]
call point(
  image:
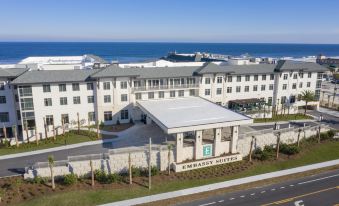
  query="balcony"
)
[{"x": 165, "y": 87}]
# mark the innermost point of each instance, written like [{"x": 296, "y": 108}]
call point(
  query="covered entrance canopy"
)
[{"x": 190, "y": 114}]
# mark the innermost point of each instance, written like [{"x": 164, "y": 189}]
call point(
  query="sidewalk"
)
[
  {"x": 215, "y": 186},
  {"x": 283, "y": 122}
]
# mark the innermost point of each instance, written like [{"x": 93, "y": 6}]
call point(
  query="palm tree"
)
[
  {"x": 169, "y": 147},
  {"x": 298, "y": 141},
  {"x": 92, "y": 172},
  {"x": 78, "y": 122},
  {"x": 51, "y": 165},
  {"x": 307, "y": 96},
  {"x": 130, "y": 168},
  {"x": 36, "y": 135},
  {"x": 251, "y": 147},
  {"x": 278, "y": 145}
]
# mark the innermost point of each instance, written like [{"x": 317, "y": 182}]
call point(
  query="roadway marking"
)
[
  {"x": 300, "y": 183},
  {"x": 210, "y": 203},
  {"x": 297, "y": 197},
  {"x": 282, "y": 187},
  {"x": 221, "y": 201},
  {"x": 232, "y": 198},
  {"x": 263, "y": 191},
  {"x": 253, "y": 194},
  {"x": 242, "y": 196},
  {"x": 273, "y": 189},
  {"x": 291, "y": 185}
]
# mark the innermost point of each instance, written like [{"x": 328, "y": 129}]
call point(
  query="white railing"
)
[{"x": 164, "y": 87}]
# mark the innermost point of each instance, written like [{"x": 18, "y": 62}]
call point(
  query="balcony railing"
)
[{"x": 165, "y": 87}]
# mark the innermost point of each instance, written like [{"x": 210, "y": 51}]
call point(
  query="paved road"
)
[
  {"x": 316, "y": 190},
  {"x": 136, "y": 136},
  {"x": 285, "y": 125},
  {"x": 331, "y": 120}
]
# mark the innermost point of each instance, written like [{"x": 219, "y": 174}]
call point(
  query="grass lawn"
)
[
  {"x": 310, "y": 154},
  {"x": 286, "y": 117},
  {"x": 71, "y": 138}
]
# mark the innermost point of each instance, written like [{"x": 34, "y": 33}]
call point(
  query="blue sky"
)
[{"x": 267, "y": 21}]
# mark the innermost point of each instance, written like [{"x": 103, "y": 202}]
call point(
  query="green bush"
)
[
  {"x": 260, "y": 154},
  {"x": 154, "y": 170},
  {"x": 331, "y": 133},
  {"x": 113, "y": 177},
  {"x": 269, "y": 149},
  {"x": 38, "y": 180},
  {"x": 136, "y": 171},
  {"x": 104, "y": 178},
  {"x": 324, "y": 136},
  {"x": 100, "y": 176},
  {"x": 289, "y": 149},
  {"x": 70, "y": 179}
]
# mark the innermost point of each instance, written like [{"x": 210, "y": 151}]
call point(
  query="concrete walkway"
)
[{"x": 215, "y": 186}]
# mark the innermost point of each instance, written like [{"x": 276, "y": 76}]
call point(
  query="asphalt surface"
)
[
  {"x": 316, "y": 190},
  {"x": 331, "y": 120}
]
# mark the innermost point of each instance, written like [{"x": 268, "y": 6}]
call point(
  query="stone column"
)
[
  {"x": 198, "y": 153},
  {"x": 234, "y": 139},
  {"x": 217, "y": 140},
  {"x": 179, "y": 146}
]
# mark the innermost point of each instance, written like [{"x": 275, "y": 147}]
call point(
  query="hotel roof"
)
[
  {"x": 237, "y": 69},
  {"x": 12, "y": 72},
  {"x": 189, "y": 114}
]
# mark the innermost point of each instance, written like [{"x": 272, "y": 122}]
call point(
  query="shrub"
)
[
  {"x": 331, "y": 133},
  {"x": 136, "y": 171},
  {"x": 269, "y": 149},
  {"x": 260, "y": 154},
  {"x": 38, "y": 180},
  {"x": 288, "y": 149},
  {"x": 324, "y": 136},
  {"x": 154, "y": 170},
  {"x": 104, "y": 178},
  {"x": 100, "y": 176},
  {"x": 113, "y": 177},
  {"x": 101, "y": 125},
  {"x": 70, "y": 179}
]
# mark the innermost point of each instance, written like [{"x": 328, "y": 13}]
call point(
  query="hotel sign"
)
[
  {"x": 207, "y": 150},
  {"x": 181, "y": 167}
]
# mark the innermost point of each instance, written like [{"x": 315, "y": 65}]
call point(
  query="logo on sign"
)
[{"x": 207, "y": 150}]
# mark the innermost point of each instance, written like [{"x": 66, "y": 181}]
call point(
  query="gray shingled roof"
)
[
  {"x": 238, "y": 69},
  {"x": 12, "y": 72},
  {"x": 288, "y": 65},
  {"x": 147, "y": 72},
  {"x": 51, "y": 76}
]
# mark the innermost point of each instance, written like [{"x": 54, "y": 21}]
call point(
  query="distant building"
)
[
  {"x": 196, "y": 57},
  {"x": 321, "y": 59}
]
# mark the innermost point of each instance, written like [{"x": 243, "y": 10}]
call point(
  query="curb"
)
[
  {"x": 220, "y": 185},
  {"x": 54, "y": 149}
]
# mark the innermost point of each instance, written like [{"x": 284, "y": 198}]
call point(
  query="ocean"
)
[{"x": 12, "y": 52}]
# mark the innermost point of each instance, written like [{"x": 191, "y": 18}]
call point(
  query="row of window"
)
[
  {"x": 108, "y": 115},
  {"x": 238, "y": 89},
  {"x": 295, "y": 75},
  {"x": 294, "y": 85},
  {"x": 239, "y": 78},
  {"x": 161, "y": 94},
  {"x": 65, "y": 118},
  {"x": 77, "y": 100},
  {"x": 76, "y": 86}
]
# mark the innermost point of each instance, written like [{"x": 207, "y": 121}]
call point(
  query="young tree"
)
[
  {"x": 299, "y": 132},
  {"x": 51, "y": 167},
  {"x": 92, "y": 172},
  {"x": 130, "y": 168},
  {"x": 14, "y": 129},
  {"x": 54, "y": 136},
  {"x": 251, "y": 147},
  {"x": 169, "y": 148},
  {"x": 36, "y": 135},
  {"x": 278, "y": 145},
  {"x": 4, "y": 130},
  {"x": 319, "y": 128},
  {"x": 63, "y": 127},
  {"x": 45, "y": 127},
  {"x": 307, "y": 96},
  {"x": 98, "y": 136},
  {"x": 26, "y": 130},
  {"x": 78, "y": 122}
]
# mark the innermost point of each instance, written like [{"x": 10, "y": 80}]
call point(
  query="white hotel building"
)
[{"x": 111, "y": 94}]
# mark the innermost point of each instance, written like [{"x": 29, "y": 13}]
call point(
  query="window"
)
[
  {"x": 319, "y": 75},
  {"x": 2, "y": 99},
  {"x": 25, "y": 91},
  {"x": 4, "y": 117},
  {"x": 219, "y": 80},
  {"x": 238, "y": 78},
  {"x": 263, "y": 77},
  {"x": 2, "y": 86},
  {"x": 124, "y": 97},
  {"x": 207, "y": 92},
  {"x": 161, "y": 94},
  {"x": 247, "y": 78},
  {"x": 300, "y": 85},
  {"x": 295, "y": 76},
  {"x": 76, "y": 100},
  {"x": 137, "y": 96},
  {"x": 292, "y": 99},
  {"x": 283, "y": 100},
  {"x": 107, "y": 98},
  {"x": 108, "y": 116},
  {"x": 284, "y": 86},
  {"x": 62, "y": 87},
  {"x": 255, "y": 88},
  {"x": 46, "y": 88},
  {"x": 247, "y": 88},
  {"x": 271, "y": 76},
  {"x": 301, "y": 75},
  {"x": 107, "y": 85},
  {"x": 309, "y": 75},
  {"x": 91, "y": 116},
  {"x": 181, "y": 93},
  {"x": 90, "y": 99},
  {"x": 150, "y": 95},
  {"x": 270, "y": 87},
  {"x": 294, "y": 86},
  {"x": 49, "y": 120},
  {"x": 48, "y": 102},
  {"x": 229, "y": 78},
  {"x": 123, "y": 85},
  {"x": 308, "y": 84},
  {"x": 285, "y": 76},
  {"x": 229, "y": 89},
  {"x": 63, "y": 100},
  {"x": 27, "y": 104},
  {"x": 263, "y": 87},
  {"x": 172, "y": 93},
  {"x": 238, "y": 89},
  {"x": 137, "y": 84},
  {"x": 269, "y": 101},
  {"x": 207, "y": 80},
  {"x": 65, "y": 118},
  {"x": 192, "y": 92},
  {"x": 75, "y": 87},
  {"x": 219, "y": 91},
  {"x": 318, "y": 84},
  {"x": 255, "y": 77},
  {"x": 89, "y": 86},
  {"x": 124, "y": 114}
]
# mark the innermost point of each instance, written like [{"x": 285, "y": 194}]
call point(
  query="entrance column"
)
[
  {"x": 234, "y": 139},
  {"x": 179, "y": 146},
  {"x": 217, "y": 140},
  {"x": 198, "y": 145}
]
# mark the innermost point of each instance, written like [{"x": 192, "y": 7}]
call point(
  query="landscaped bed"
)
[
  {"x": 286, "y": 117},
  {"x": 71, "y": 137},
  {"x": 74, "y": 190},
  {"x": 116, "y": 127}
]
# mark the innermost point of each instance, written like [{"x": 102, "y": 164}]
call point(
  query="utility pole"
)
[{"x": 149, "y": 164}]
